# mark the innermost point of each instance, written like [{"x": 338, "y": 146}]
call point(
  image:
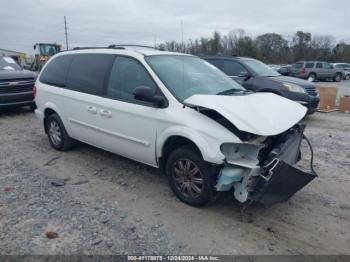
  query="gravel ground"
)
[{"x": 111, "y": 205}]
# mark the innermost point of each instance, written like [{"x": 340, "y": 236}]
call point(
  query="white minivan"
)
[{"x": 179, "y": 113}]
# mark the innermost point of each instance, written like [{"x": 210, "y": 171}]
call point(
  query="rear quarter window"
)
[
  {"x": 298, "y": 65},
  {"x": 55, "y": 72},
  {"x": 88, "y": 72}
]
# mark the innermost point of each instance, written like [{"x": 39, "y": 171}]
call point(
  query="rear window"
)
[
  {"x": 88, "y": 72},
  {"x": 55, "y": 72},
  {"x": 309, "y": 65}
]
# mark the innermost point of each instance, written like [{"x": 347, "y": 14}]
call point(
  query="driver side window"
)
[
  {"x": 125, "y": 76},
  {"x": 232, "y": 68}
]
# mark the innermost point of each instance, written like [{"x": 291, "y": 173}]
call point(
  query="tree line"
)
[{"x": 271, "y": 48}]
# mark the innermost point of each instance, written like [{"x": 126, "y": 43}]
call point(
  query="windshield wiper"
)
[{"x": 230, "y": 91}]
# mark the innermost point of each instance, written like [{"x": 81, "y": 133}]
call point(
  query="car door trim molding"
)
[{"x": 132, "y": 139}]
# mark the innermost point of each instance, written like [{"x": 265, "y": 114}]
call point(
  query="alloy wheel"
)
[
  {"x": 188, "y": 178},
  {"x": 55, "y": 133}
]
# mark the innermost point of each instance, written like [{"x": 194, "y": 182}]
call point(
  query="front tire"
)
[
  {"x": 337, "y": 78},
  {"x": 347, "y": 77},
  {"x": 57, "y": 134},
  {"x": 190, "y": 177}
]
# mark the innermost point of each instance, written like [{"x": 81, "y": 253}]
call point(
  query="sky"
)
[{"x": 100, "y": 23}]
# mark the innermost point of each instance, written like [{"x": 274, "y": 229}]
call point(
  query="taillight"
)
[
  {"x": 34, "y": 91},
  {"x": 302, "y": 71}
]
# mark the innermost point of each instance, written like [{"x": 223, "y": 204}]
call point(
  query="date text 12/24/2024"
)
[{"x": 173, "y": 258}]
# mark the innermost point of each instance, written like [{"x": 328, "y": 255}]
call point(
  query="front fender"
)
[{"x": 208, "y": 146}]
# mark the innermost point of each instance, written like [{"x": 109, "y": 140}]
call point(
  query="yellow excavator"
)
[{"x": 43, "y": 52}]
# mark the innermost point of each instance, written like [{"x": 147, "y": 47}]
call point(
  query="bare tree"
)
[{"x": 269, "y": 47}]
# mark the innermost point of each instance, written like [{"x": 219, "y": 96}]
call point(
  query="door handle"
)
[
  {"x": 106, "y": 113},
  {"x": 91, "y": 109}
]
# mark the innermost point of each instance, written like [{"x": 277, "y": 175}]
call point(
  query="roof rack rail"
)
[
  {"x": 113, "y": 46},
  {"x": 128, "y": 45},
  {"x": 86, "y": 47},
  {"x": 121, "y": 46}
]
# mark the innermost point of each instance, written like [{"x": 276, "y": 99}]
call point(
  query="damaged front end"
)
[{"x": 265, "y": 171}]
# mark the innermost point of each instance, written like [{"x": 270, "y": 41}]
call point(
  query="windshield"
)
[
  {"x": 185, "y": 76},
  {"x": 8, "y": 63},
  {"x": 260, "y": 68},
  {"x": 49, "y": 50}
]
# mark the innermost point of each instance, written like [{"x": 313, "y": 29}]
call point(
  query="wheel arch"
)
[
  {"x": 180, "y": 136},
  {"x": 50, "y": 109}
]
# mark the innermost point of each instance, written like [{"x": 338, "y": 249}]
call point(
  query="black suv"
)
[
  {"x": 16, "y": 84},
  {"x": 254, "y": 75}
]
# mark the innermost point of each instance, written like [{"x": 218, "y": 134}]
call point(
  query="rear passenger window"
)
[
  {"x": 55, "y": 72},
  {"x": 327, "y": 66},
  {"x": 309, "y": 65},
  {"x": 319, "y": 65},
  {"x": 126, "y": 75},
  {"x": 88, "y": 72}
]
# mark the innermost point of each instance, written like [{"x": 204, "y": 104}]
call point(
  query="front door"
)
[{"x": 129, "y": 125}]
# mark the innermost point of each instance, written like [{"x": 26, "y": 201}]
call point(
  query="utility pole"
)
[
  {"x": 182, "y": 37},
  {"x": 65, "y": 32}
]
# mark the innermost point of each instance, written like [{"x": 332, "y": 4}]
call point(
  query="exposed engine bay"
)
[{"x": 265, "y": 172}]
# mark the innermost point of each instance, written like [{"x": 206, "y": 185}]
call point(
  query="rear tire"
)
[
  {"x": 57, "y": 134},
  {"x": 311, "y": 77},
  {"x": 337, "y": 78},
  {"x": 190, "y": 177}
]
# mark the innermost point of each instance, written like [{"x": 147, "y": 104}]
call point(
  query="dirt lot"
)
[{"x": 111, "y": 205}]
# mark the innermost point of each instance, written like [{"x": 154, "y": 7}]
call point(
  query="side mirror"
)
[
  {"x": 244, "y": 75},
  {"x": 146, "y": 94}
]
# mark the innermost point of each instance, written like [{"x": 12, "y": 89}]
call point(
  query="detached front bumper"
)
[
  {"x": 282, "y": 182},
  {"x": 275, "y": 179}
]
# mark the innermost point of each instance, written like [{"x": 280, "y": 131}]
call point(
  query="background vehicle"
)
[
  {"x": 177, "y": 112},
  {"x": 282, "y": 69},
  {"x": 316, "y": 70},
  {"x": 345, "y": 67},
  {"x": 43, "y": 53},
  {"x": 16, "y": 84},
  {"x": 258, "y": 77}
]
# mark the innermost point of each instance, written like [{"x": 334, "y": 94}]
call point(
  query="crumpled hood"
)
[{"x": 264, "y": 114}]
